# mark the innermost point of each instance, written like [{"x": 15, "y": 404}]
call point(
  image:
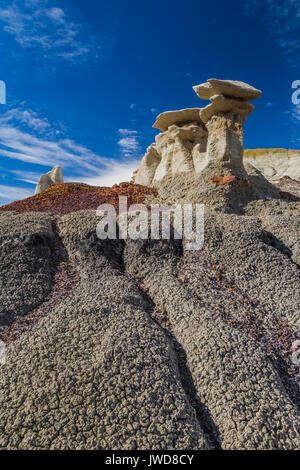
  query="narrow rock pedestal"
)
[
  {"x": 224, "y": 118},
  {"x": 225, "y": 144}
]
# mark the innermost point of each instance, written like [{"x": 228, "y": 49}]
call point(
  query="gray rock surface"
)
[
  {"x": 233, "y": 374},
  {"x": 157, "y": 347},
  {"x": 97, "y": 373},
  {"x": 252, "y": 193},
  {"x": 27, "y": 262}
]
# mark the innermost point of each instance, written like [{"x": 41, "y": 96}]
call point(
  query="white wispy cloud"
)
[
  {"x": 30, "y": 177},
  {"x": 129, "y": 143},
  {"x": 12, "y": 193},
  {"x": 27, "y": 117},
  {"x": 283, "y": 21},
  {"x": 126, "y": 132},
  {"x": 32, "y": 140},
  {"x": 117, "y": 172},
  {"x": 39, "y": 25}
]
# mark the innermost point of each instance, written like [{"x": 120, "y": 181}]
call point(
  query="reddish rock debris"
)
[{"x": 72, "y": 197}]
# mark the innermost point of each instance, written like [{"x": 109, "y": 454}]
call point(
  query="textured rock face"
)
[
  {"x": 53, "y": 177},
  {"x": 225, "y": 143},
  {"x": 275, "y": 163},
  {"x": 154, "y": 346},
  {"x": 145, "y": 173},
  {"x": 26, "y": 262},
  {"x": 244, "y": 401},
  {"x": 179, "y": 149},
  {"x": 222, "y": 104},
  {"x": 182, "y": 149},
  {"x": 99, "y": 373}
]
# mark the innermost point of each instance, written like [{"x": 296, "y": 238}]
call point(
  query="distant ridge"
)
[{"x": 275, "y": 163}]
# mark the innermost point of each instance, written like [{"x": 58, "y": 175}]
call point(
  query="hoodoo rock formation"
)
[
  {"x": 144, "y": 344},
  {"x": 179, "y": 148},
  {"x": 193, "y": 139},
  {"x": 224, "y": 119}
]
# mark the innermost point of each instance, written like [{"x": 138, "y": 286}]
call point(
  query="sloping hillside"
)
[
  {"x": 275, "y": 163},
  {"x": 123, "y": 344}
]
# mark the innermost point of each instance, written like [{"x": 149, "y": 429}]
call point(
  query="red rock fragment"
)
[{"x": 219, "y": 180}]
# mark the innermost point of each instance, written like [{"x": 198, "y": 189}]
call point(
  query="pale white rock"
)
[
  {"x": 177, "y": 147},
  {"x": 231, "y": 88},
  {"x": 222, "y": 104},
  {"x": 275, "y": 163},
  {"x": 194, "y": 139},
  {"x": 167, "y": 119},
  {"x": 44, "y": 182},
  {"x": 199, "y": 157},
  {"x": 52, "y": 177},
  {"x": 145, "y": 173},
  {"x": 175, "y": 153},
  {"x": 56, "y": 175},
  {"x": 182, "y": 148}
]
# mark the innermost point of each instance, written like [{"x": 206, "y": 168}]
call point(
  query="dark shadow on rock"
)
[
  {"x": 203, "y": 414},
  {"x": 269, "y": 239},
  {"x": 39, "y": 255}
]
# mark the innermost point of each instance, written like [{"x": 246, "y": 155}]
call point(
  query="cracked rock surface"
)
[
  {"x": 234, "y": 376},
  {"x": 97, "y": 373},
  {"x": 154, "y": 347},
  {"x": 26, "y": 262}
]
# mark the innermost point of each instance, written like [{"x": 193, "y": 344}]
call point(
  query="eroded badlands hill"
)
[{"x": 144, "y": 344}]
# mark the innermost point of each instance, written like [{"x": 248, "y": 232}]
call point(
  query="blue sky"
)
[{"x": 86, "y": 79}]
